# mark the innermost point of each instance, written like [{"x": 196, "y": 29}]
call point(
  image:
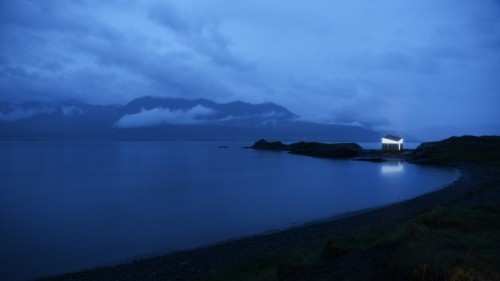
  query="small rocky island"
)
[
  {"x": 485, "y": 150},
  {"x": 335, "y": 150},
  {"x": 316, "y": 149}
]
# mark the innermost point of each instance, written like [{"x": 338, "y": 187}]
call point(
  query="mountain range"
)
[{"x": 151, "y": 118}]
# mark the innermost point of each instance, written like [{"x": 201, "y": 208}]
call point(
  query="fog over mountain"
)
[{"x": 167, "y": 119}]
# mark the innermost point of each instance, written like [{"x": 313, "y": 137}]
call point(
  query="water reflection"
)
[{"x": 392, "y": 167}]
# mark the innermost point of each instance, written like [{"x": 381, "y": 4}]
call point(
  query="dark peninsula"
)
[{"x": 315, "y": 149}]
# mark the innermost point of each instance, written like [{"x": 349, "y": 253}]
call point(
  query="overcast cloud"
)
[
  {"x": 160, "y": 116},
  {"x": 426, "y": 68},
  {"x": 15, "y": 113}
]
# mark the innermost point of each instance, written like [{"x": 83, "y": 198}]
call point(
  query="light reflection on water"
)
[{"x": 392, "y": 167}]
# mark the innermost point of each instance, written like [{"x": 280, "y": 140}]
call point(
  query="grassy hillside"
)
[
  {"x": 485, "y": 150},
  {"x": 445, "y": 243}
]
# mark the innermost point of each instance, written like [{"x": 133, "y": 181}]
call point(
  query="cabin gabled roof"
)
[{"x": 393, "y": 138}]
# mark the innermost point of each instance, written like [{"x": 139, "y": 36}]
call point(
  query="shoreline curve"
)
[{"x": 196, "y": 263}]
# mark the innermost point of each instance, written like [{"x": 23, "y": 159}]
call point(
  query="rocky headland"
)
[{"x": 315, "y": 149}]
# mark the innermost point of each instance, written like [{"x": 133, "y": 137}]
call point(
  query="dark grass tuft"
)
[
  {"x": 452, "y": 244},
  {"x": 440, "y": 244}
]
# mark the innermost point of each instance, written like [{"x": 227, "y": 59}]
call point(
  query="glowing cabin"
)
[{"x": 392, "y": 143}]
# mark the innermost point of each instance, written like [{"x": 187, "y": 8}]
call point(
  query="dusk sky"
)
[{"x": 428, "y": 68}]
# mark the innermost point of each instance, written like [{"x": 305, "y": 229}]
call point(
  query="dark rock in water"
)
[
  {"x": 265, "y": 145},
  {"x": 371, "y": 159},
  {"x": 336, "y": 150}
]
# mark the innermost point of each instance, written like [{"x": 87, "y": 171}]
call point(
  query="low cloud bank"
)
[
  {"x": 160, "y": 116},
  {"x": 266, "y": 114},
  {"x": 16, "y": 113},
  {"x": 71, "y": 110}
]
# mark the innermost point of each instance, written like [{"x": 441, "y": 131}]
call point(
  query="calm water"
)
[{"x": 66, "y": 206}]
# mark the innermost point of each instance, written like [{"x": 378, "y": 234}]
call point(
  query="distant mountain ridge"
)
[
  {"x": 234, "y": 108},
  {"x": 233, "y": 112},
  {"x": 168, "y": 119}
]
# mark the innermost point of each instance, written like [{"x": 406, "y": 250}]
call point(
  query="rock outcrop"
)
[
  {"x": 266, "y": 145},
  {"x": 316, "y": 149},
  {"x": 485, "y": 149}
]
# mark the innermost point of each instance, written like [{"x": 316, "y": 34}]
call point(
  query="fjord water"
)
[{"x": 66, "y": 206}]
